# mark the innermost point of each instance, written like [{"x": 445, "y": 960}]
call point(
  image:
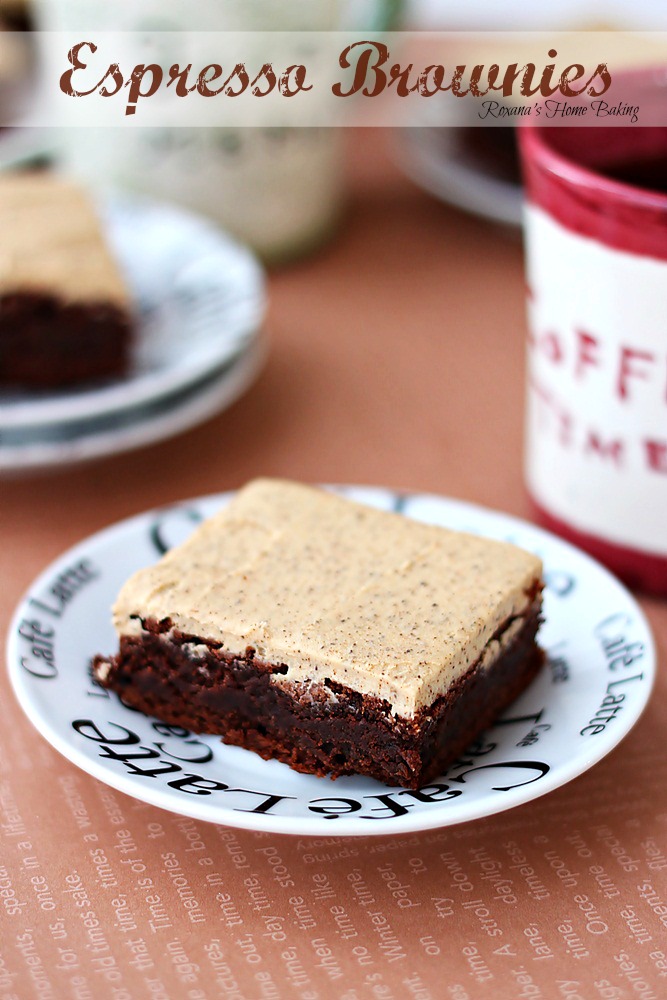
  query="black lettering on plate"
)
[
  {"x": 64, "y": 588},
  {"x": 170, "y": 521},
  {"x": 529, "y": 765}
]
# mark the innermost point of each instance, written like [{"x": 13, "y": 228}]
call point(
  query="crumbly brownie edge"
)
[
  {"x": 47, "y": 343},
  {"x": 324, "y": 728}
]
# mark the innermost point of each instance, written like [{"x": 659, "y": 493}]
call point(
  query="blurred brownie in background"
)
[{"x": 65, "y": 315}]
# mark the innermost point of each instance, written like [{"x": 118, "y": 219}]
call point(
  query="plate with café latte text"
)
[{"x": 597, "y": 680}]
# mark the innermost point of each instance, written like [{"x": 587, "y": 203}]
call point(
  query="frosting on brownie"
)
[
  {"x": 333, "y": 589},
  {"x": 52, "y": 242}
]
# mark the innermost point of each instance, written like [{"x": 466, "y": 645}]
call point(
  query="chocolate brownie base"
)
[
  {"x": 47, "y": 344},
  {"x": 324, "y": 728}
]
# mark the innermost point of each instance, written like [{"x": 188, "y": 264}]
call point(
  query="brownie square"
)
[
  {"x": 65, "y": 315},
  {"x": 329, "y": 635}
]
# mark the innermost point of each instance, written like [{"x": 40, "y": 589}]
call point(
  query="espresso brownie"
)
[
  {"x": 332, "y": 636},
  {"x": 64, "y": 309}
]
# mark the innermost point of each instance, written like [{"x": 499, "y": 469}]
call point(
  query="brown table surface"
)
[{"x": 396, "y": 359}]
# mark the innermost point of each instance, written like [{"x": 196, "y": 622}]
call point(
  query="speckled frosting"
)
[
  {"x": 52, "y": 242},
  {"x": 336, "y": 590}
]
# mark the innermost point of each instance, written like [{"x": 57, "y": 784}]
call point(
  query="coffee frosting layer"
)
[
  {"x": 52, "y": 243},
  {"x": 336, "y": 590}
]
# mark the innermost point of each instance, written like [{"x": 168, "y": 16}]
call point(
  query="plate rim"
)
[
  {"x": 203, "y": 400},
  {"x": 445, "y": 177},
  {"x": 305, "y": 826}
]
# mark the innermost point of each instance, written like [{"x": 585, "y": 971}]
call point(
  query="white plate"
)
[
  {"x": 439, "y": 161},
  {"x": 200, "y": 301},
  {"x": 599, "y": 678},
  {"x": 33, "y": 448}
]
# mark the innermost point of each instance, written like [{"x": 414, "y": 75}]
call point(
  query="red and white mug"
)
[{"x": 596, "y": 257}]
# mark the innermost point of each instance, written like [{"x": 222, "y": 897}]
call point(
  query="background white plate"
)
[
  {"x": 200, "y": 301},
  {"x": 440, "y": 161},
  {"x": 599, "y": 677},
  {"x": 32, "y": 448}
]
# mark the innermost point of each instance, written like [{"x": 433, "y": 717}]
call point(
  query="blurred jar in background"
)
[{"x": 279, "y": 189}]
